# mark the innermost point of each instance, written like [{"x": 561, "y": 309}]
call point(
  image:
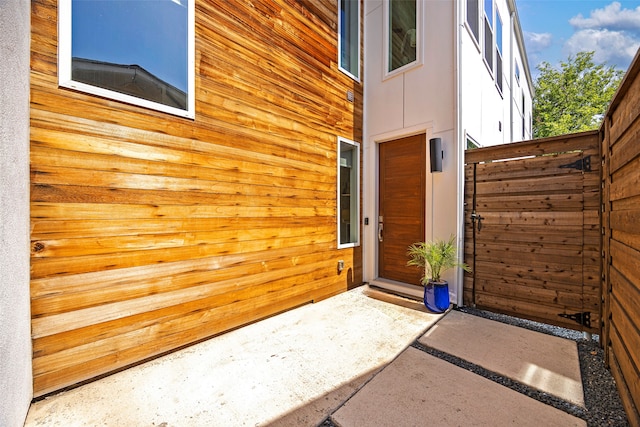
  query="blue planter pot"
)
[{"x": 436, "y": 296}]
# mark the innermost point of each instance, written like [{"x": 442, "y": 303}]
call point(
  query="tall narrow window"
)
[
  {"x": 488, "y": 33},
  {"x": 136, "y": 51},
  {"x": 517, "y": 73},
  {"x": 403, "y": 34},
  {"x": 473, "y": 20},
  {"x": 349, "y": 33},
  {"x": 348, "y": 193},
  {"x": 498, "y": 52},
  {"x": 523, "y": 116}
]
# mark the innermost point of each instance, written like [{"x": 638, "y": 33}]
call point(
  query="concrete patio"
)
[{"x": 350, "y": 358}]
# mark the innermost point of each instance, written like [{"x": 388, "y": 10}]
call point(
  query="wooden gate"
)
[{"x": 532, "y": 230}]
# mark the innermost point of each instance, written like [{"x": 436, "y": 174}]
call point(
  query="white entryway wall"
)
[{"x": 419, "y": 100}]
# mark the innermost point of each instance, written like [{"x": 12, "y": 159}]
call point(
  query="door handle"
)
[{"x": 380, "y": 232}]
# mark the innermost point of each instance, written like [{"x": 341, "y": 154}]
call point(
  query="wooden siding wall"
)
[
  {"x": 150, "y": 231},
  {"x": 621, "y": 229},
  {"x": 537, "y": 254}
]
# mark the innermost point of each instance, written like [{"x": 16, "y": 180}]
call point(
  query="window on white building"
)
[
  {"x": 471, "y": 144},
  {"x": 135, "y": 51},
  {"x": 473, "y": 19},
  {"x": 403, "y": 34},
  {"x": 498, "y": 52},
  {"x": 488, "y": 33},
  {"x": 349, "y": 37},
  {"x": 348, "y": 193},
  {"x": 523, "y": 117}
]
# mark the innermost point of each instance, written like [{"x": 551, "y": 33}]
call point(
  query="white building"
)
[{"x": 455, "y": 71}]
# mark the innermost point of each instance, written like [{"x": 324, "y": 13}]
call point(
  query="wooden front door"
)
[{"x": 402, "y": 206}]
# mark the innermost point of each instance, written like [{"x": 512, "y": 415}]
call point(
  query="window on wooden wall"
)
[
  {"x": 136, "y": 51},
  {"x": 473, "y": 19},
  {"x": 488, "y": 33},
  {"x": 349, "y": 38},
  {"x": 402, "y": 35},
  {"x": 348, "y": 193}
]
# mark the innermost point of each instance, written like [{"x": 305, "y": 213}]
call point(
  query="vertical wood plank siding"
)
[
  {"x": 537, "y": 254},
  {"x": 621, "y": 230},
  {"x": 150, "y": 231}
]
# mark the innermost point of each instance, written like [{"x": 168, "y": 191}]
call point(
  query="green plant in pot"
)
[{"x": 434, "y": 258}]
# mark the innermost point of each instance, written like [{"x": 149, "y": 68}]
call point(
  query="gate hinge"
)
[
  {"x": 583, "y": 318},
  {"x": 583, "y": 164}
]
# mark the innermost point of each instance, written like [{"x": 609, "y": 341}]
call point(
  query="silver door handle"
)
[{"x": 380, "y": 232}]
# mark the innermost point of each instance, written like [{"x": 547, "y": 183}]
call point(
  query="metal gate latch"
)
[{"x": 474, "y": 217}]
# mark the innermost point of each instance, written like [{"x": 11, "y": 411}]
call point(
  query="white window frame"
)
[
  {"x": 354, "y": 220},
  {"x": 341, "y": 66},
  {"x": 419, "y": 42},
  {"x": 64, "y": 66}
]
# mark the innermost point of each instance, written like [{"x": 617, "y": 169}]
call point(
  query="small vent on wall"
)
[{"x": 350, "y": 96}]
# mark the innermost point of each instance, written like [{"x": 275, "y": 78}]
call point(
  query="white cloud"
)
[
  {"x": 611, "y": 47},
  {"x": 536, "y": 42},
  {"x": 610, "y": 17},
  {"x": 613, "y": 33}
]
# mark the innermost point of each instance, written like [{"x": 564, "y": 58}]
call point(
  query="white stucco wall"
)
[
  {"x": 421, "y": 100},
  {"x": 15, "y": 341}
]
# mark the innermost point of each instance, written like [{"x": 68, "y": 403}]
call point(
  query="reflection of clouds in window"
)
[
  {"x": 402, "y": 37},
  {"x": 149, "y": 34}
]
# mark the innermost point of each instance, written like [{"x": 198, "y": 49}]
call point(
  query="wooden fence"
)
[
  {"x": 532, "y": 230},
  {"x": 621, "y": 244}
]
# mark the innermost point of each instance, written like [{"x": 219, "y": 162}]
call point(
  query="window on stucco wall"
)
[{"x": 403, "y": 34}]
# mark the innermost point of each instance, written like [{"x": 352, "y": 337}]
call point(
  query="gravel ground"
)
[{"x": 602, "y": 401}]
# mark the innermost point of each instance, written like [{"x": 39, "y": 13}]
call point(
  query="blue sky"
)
[
  {"x": 555, "y": 29},
  {"x": 151, "y": 34}
]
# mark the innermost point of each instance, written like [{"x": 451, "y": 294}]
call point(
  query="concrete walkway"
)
[
  {"x": 419, "y": 389},
  {"x": 348, "y": 357}
]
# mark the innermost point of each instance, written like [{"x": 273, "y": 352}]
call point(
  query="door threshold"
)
[{"x": 399, "y": 288}]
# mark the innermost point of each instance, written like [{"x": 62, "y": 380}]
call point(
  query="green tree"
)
[{"x": 573, "y": 98}]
